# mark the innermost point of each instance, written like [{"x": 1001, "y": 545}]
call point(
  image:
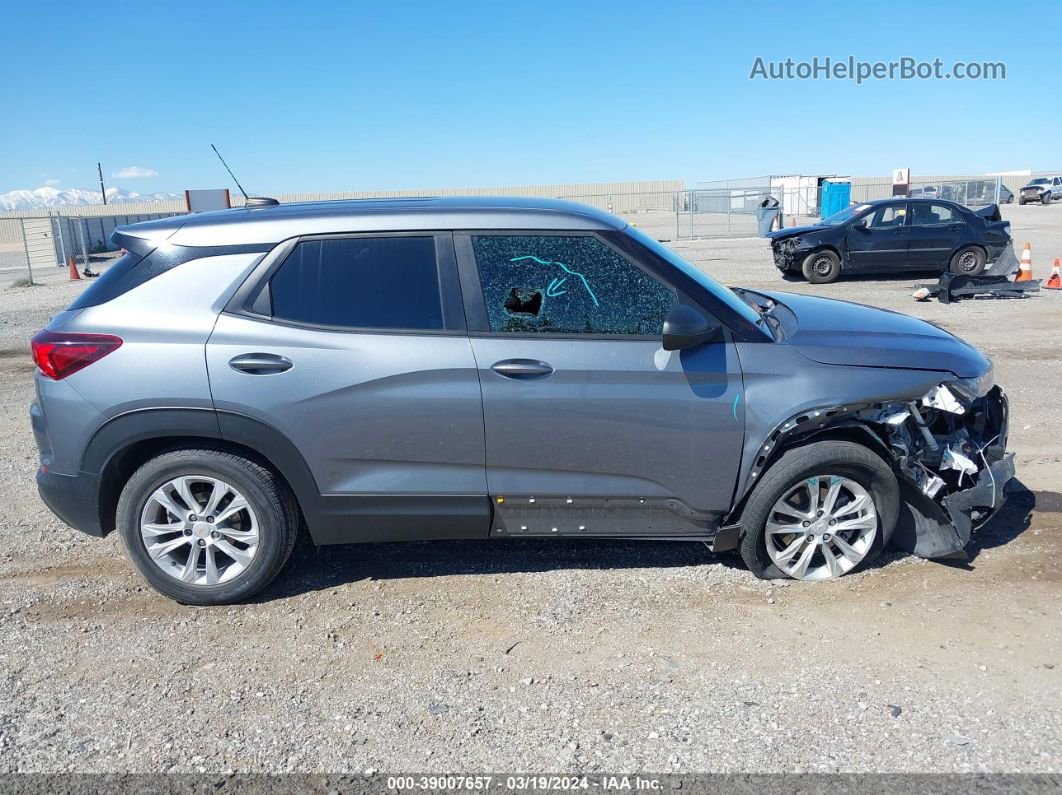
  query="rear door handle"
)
[
  {"x": 522, "y": 368},
  {"x": 260, "y": 363}
]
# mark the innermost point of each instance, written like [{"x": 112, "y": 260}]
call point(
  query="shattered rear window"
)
[{"x": 567, "y": 285}]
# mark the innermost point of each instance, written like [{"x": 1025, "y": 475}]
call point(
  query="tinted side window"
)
[
  {"x": 933, "y": 214},
  {"x": 363, "y": 282},
  {"x": 567, "y": 285},
  {"x": 888, "y": 216},
  {"x": 110, "y": 284}
]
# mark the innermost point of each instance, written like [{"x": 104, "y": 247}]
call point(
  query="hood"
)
[
  {"x": 829, "y": 331},
  {"x": 1040, "y": 186},
  {"x": 792, "y": 231}
]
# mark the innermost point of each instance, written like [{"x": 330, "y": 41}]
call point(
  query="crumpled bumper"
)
[
  {"x": 976, "y": 504},
  {"x": 785, "y": 254},
  {"x": 955, "y": 469}
]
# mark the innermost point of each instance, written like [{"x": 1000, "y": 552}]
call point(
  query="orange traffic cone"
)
[
  {"x": 74, "y": 275},
  {"x": 1025, "y": 265},
  {"x": 1055, "y": 280}
]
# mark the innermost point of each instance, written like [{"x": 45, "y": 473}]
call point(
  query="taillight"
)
[{"x": 59, "y": 354}]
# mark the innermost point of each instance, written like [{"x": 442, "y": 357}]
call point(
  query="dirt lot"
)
[{"x": 552, "y": 655}]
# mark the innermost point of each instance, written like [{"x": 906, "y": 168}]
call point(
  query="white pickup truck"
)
[{"x": 1041, "y": 189}]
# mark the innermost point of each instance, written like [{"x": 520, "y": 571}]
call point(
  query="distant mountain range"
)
[{"x": 43, "y": 198}]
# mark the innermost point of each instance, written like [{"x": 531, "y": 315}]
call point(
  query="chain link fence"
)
[
  {"x": 717, "y": 209},
  {"x": 971, "y": 192},
  {"x": 36, "y": 242}
]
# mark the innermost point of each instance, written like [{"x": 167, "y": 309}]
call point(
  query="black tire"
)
[
  {"x": 968, "y": 261},
  {"x": 1046, "y": 199},
  {"x": 821, "y": 267},
  {"x": 275, "y": 508},
  {"x": 830, "y": 457},
  {"x": 1021, "y": 200}
]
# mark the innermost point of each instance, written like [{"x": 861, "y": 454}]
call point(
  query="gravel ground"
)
[{"x": 552, "y": 655}]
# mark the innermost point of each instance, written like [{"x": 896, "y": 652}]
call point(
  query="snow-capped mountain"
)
[{"x": 58, "y": 197}]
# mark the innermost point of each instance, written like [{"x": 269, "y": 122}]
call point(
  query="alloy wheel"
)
[
  {"x": 199, "y": 530},
  {"x": 821, "y": 528}
]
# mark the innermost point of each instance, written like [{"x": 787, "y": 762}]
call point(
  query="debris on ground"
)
[{"x": 953, "y": 287}]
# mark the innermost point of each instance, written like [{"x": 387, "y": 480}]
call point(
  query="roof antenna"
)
[
  {"x": 251, "y": 201},
  {"x": 238, "y": 185}
]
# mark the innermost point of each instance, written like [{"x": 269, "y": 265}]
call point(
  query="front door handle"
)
[
  {"x": 522, "y": 368},
  {"x": 260, "y": 363}
]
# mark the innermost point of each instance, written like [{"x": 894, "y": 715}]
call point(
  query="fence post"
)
[
  {"x": 62, "y": 238},
  {"x": 83, "y": 228},
  {"x": 999, "y": 190},
  {"x": 25, "y": 245}
]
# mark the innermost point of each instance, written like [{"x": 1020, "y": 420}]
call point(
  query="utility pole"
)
[{"x": 103, "y": 193}]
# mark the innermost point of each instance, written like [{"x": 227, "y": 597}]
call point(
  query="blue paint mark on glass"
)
[
  {"x": 566, "y": 269},
  {"x": 737, "y": 397},
  {"x": 554, "y": 287}
]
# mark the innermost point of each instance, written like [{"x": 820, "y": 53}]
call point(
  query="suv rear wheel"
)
[
  {"x": 821, "y": 511},
  {"x": 206, "y": 527}
]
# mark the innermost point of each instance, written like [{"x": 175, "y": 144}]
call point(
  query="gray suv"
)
[{"x": 491, "y": 368}]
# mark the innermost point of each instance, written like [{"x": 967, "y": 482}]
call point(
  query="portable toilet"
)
[{"x": 836, "y": 195}]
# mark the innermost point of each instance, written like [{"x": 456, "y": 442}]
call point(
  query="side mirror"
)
[{"x": 685, "y": 327}]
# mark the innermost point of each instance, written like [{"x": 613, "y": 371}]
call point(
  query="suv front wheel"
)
[
  {"x": 821, "y": 511},
  {"x": 206, "y": 527}
]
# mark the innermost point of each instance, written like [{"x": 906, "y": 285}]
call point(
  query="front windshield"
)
[
  {"x": 1038, "y": 182},
  {"x": 847, "y": 214},
  {"x": 724, "y": 294}
]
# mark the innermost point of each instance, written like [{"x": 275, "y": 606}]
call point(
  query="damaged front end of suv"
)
[
  {"x": 925, "y": 401},
  {"x": 949, "y": 449}
]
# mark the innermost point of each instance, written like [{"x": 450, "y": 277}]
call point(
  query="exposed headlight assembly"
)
[{"x": 973, "y": 388}]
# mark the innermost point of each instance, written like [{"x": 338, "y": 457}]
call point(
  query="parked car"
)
[
  {"x": 927, "y": 192},
  {"x": 893, "y": 235},
  {"x": 491, "y": 368},
  {"x": 976, "y": 192},
  {"x": 1042, "y": 189}
]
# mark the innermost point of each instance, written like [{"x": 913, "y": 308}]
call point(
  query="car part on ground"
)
[{"x": 952, "y": 288}]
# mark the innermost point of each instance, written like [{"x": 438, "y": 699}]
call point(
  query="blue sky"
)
[{"x": 314, "y": 96}]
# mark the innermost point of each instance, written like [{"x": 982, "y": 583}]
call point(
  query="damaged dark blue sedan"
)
[{"x": 893, "y": 235}]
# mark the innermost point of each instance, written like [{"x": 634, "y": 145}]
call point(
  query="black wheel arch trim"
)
[
  {"x": 815, "y": 424},
  {"x": 330, "y": 519}
]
